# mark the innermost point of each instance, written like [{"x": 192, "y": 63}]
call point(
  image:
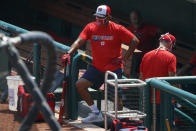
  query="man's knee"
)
[
  {"x": 78, "y": 84},
  {"x": 82, "y": 84}
]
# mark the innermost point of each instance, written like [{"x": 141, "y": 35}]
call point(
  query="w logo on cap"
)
[{"x": 99, "y": 9}]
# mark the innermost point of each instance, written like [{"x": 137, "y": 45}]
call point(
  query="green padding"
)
[{"x": 185, "y": 116}]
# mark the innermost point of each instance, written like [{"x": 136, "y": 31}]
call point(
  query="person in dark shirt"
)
[{"x": 148, "y": 36}]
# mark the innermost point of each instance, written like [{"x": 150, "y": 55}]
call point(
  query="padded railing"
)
[{"x": 167, "y": 92}]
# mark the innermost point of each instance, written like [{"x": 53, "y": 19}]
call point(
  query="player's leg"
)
[
  {"x": 82, "y": 86},
  {"x": 92, "y": 77}
]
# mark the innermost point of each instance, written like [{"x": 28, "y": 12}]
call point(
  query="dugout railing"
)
[
  {"x": 167, "y": 91},
  {"x": 167, "y": 108}
]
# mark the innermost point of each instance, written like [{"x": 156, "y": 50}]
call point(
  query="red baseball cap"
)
[
  {"x": 168, "y": 37},
  {"x": 103, "y": 11}
]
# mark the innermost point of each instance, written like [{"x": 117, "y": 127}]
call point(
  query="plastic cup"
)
[{"x": 13, "y": 82}]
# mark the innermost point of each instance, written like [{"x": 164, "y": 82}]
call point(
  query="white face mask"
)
[{"x": 100, "y": 21}]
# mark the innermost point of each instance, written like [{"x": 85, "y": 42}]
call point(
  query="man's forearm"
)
[
  {"x": 184, "y": 70},
  {"x": 77, "y": 44},
  {"x": 73, "y": 48},
  {"x": 132, "y": 47}
]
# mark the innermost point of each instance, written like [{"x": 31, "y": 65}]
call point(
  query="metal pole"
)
[
  {"x": 167, "y": 124},
  {"x": 116, "y": 97},
  {"x": 37, "y": 63},
  {"x": 106, "y": 100},
  {"x": 148, "y": 107},
  {"x": 143, "y": 99},
  {"x": 106, "y": 97},
  {"x": 154, "y": 109}
]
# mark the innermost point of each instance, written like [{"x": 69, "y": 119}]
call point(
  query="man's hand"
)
[
  {"x": 66, "y": 58},
  {"x": 118, "y": 60},
  {"x": 132, "y": 46}
]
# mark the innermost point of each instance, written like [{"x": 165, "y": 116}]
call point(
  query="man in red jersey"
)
[
  {"x": 147, "y": 34},
  {"x": 106, "y": 38},
  {"x": 159, "y": 62}
]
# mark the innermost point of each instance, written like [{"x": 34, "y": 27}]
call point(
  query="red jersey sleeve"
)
[
  {"x": 172, "y": 65},
  {"x": 193, "y": 60},
  {"x": 85, "y": 34},
  {"x": 125, "y": 35}
]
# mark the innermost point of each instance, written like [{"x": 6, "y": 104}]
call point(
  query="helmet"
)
[
  {"x": 169, "y": 38},
  {"x": 103, "y": 11}
]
